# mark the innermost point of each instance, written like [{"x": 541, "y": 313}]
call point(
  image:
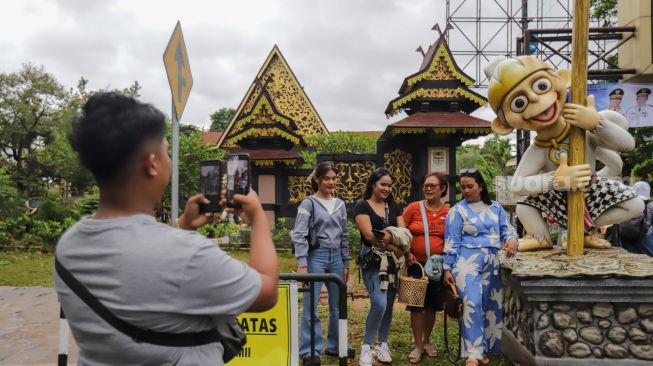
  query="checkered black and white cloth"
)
[{"x": 602, "y": 194}]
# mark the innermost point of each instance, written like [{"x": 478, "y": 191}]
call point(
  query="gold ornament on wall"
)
[
  {"x": 400, "y": 164},
  {"x": 298, "y": 189},
  {"x": 352, "y": 179}
]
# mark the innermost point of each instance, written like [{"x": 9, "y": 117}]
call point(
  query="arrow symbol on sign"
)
[{"x": 181, "y": 81}]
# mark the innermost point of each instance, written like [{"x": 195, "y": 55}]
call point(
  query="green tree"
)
[
  {"x": 605, "y": 11},
  {"x": 63, "y": 167},
  {"x": 192, "y": 149},
  {"x": 640, "y": 160},
  {"x": 30, "y": 104},
  {"x": 497, "y": 151},
  {"x": 221, "y": 118},
  {"x": 340, "y": 142},
  {"x": 490, "y": 159},
  {"x": 11, "y": 202}
]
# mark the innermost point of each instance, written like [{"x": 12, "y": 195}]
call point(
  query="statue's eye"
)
[
  {"x": 519, "y": 104},
  {"x": 541, "y": 86}
]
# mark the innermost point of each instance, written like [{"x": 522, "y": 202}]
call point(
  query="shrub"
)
[
  {"x": 55, "y": 211},
  {"x": 281, "y": 234},
  {"x": 89, "y": 203}
]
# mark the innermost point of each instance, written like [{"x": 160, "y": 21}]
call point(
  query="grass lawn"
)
[
  {"x": 26, "y": 269},
  {"x": 35, "y": 269}
]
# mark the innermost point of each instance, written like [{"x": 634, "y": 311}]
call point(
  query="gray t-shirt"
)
[{"x": 154, "y": 277}]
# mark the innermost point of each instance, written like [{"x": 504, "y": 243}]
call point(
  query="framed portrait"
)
[{"x": 439, "y": 160}]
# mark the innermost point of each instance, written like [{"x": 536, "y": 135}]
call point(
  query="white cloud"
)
[{"x": 351, "y": 56}]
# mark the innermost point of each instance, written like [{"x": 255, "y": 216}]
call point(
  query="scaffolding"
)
[{"x": 482, "y": 30}]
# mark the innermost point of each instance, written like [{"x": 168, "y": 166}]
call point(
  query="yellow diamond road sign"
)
[{"x": 175, "y": 59}]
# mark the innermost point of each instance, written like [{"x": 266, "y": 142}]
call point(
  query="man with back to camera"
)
[
  {"x": 148, "y": 274},
  {"x": 641, "y": 114}
]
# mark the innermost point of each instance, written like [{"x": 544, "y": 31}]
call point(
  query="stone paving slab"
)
[{"x": 29, "y": 327}]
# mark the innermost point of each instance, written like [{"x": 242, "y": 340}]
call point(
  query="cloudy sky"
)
[{"x": 350, "y": 55}]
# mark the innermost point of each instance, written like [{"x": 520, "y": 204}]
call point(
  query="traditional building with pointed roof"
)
[
  {"x": 437, "y": 100},
  {"x": 271, "y": 124},
  {"x": 274, "y": 117}
]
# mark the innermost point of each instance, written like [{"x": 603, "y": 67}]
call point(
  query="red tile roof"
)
[
  {"x": 211, "y": 137},
  {"x": 441, "y": 119}
]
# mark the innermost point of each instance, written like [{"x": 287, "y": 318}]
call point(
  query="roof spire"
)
[
  {"x": 421, "y": 50},
  {"x": 436, "y": 27}
]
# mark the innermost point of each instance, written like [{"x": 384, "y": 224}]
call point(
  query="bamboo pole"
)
[{"x": 576, "y": 201}]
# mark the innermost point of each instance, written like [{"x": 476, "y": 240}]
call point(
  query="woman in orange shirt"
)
[{"x": 422, "y": 319}]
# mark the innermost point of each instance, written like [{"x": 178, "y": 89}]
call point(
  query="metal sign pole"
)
[
  {"x": 175, "y": 59},
  {"x": 174, "y": 195}
]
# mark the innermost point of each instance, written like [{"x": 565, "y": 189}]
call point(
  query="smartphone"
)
[
  {"x": 380, "y": 234},
  {"x": 211, "y": 172},
  {"x": 238, "y": 177}
]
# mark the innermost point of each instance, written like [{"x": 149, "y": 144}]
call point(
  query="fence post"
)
[
  {"x": 63, "y": 339},
  {"x": 343, "y": 348}
]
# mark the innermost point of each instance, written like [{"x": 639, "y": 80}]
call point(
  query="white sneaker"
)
[
  {"x": 366, "y": 357},
  {"x": 382, "y": 353}
]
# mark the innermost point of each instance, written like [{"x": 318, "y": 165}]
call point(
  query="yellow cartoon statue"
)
[{"x": 527, "y": 94}]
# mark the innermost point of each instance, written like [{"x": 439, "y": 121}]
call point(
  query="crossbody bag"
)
[
  {"x": 229, "y": 333},
  {"x": 433, "y": 267}
]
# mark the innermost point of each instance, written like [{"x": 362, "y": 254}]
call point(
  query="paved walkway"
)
[{"x": 29, "y": 327}]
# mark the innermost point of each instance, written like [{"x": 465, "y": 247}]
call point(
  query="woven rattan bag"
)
[{"x": 412, "y": 291}]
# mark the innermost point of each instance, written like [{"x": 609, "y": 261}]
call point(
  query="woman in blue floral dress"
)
[{"x": 476, "y": 230}]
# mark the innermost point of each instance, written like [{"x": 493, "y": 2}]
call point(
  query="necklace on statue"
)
[{"x": 555, "y": 145}]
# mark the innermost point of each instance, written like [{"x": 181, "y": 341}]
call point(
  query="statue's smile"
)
[{"x": 548, "y": 116}]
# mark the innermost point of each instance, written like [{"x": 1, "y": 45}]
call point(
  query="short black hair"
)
[
  {"x": 109, "y": 131},
  {"x": 375, "y": 177}
]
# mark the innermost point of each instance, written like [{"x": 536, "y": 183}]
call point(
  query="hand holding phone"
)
[
  {"x": 380, "y": 234},
  {"x": 211, "y": 172},
  {"x": 238, "y": 177}
]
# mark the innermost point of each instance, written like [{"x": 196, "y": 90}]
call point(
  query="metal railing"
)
[{"x": 309, "y": 279}]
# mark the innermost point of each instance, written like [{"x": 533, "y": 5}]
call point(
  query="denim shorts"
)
[{"x": 433, "y": 299}]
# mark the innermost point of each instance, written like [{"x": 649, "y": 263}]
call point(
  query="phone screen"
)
[
  {"x": 211, "y": 184},
  {"x": 238, "y": 177}
]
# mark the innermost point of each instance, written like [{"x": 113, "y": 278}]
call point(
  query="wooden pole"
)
[{"x": 576, "y": 201}]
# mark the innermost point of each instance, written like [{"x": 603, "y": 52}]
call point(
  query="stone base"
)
[{"x": 578, "y": 321}]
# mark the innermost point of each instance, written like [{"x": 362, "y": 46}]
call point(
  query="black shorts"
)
[{"x": 433, "y": 299}]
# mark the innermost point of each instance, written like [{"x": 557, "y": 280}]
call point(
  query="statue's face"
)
[{"x": 536, "y": 103}]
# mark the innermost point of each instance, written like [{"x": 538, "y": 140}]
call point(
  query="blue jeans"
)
[
  {"x": 321, "y": 260},
  {"x": 381, "y": 302}
]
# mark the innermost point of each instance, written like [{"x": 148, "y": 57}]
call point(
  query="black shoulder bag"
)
[
  {"x": 229, "y": 333},
  {"x": 311, "y": 237}
]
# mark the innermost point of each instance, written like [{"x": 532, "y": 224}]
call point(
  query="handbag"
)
[
  {"x": 433, "y": 266},
  {"x": 453, "y": 308},
  {"x": 369, "y": 260},
  {"x": 311, "y": 237},
  {"x": 372, "y": 260},
  {"x": 451, "y": 301},
  {"x": 229, "y": 333}
]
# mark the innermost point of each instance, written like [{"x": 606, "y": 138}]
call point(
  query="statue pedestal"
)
[{"x": 591, "y": 310}]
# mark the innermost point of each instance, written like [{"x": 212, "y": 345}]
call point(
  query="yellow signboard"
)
[
  {"x": 175, "y": 59},
  {"x": 272, "y": 335}
]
